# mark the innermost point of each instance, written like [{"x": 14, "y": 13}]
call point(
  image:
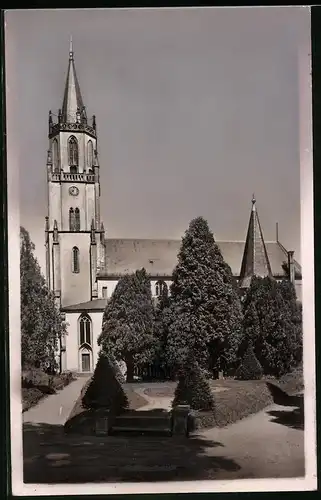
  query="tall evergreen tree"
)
[
  {"x": 128, "y": 322},
  {"x": 205, "y": 313},
  {"x": 268, "y": 323},
  {"x": 294, "y": 312},
  {"x": 41, "y": 323}
]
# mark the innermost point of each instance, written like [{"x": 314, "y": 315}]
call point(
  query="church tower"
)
[{"x": 74, "y": 236}]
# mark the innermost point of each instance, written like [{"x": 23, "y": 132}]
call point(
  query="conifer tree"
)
[
  {"x": 205, "y": 312},
  {"x": 128, "y": 322},
  {"x": 161, "y": 332},
  {"x": 104, "y": 390},
  {"x": 267, "y": 321},
  {"x": 250, "y": 368},
  {"x": 294, "y": 313},
  {"x": 193, "y": 388},
  {"x": 41, "y": 322}
]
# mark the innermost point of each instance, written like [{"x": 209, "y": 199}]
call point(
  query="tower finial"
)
[
  {"x": 253, "y": 201},
  {"x": 71, "y": 52}
]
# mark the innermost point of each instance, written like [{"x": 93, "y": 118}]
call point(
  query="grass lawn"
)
[{"x": 235, "y": 399}]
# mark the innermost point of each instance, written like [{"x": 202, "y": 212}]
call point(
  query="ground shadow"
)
[
  {"x": 51, "y": 456},
  {"x": 289, "y": 418},
  {"x": 282, "y": 398}
]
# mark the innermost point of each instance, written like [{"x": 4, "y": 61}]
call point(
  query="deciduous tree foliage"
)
[
  {"x": 41, "y": 323},
  {"x": 128, "y": 322},
  {"x": 205, "y": 313},
  {"x": 272, "y": 326}
]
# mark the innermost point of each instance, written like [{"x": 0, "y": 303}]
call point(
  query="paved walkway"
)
[
  {"x": 154, "y": 402},
  {"x": 267, "y": 444},
  {"x": 56, "y": 409}
]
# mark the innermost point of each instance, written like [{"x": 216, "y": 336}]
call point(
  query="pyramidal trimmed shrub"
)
[
  {"x": 250, "y": 368},
  {"x": 193, "y": 388},
  {"x": 104, "y": 390}
]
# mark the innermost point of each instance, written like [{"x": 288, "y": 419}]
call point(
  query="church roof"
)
[
  {"x": 90, "y": 306},
  {"x": 159, "y": 257},
  {"x": 72, "y": 95},
  {"x": 255, "y": 260}
]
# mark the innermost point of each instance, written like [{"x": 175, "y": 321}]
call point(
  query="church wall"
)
[
  {"x": 73, "y": 351},
  {"x": 111, "y": 285},
  {"x": 298, "y": 289},
  {"x": 75, "y": 287},
  {"x": 90, "y": 205},
  {"x": 85, "y": 201},
  {"x": 54, "y": 204},
  {"x": 72, "y": 342}
]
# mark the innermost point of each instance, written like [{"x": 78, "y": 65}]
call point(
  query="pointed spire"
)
[
  {"x": 72, "y": 101},
  {"x": 255, "y": 258}
]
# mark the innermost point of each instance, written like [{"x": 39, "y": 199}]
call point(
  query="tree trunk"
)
[{"x": 130, "y": 370}]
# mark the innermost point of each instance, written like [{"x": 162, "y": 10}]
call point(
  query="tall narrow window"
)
[
  {"x": 55, "y": 157},
  {"x": 90, "y": 154},
  {"x": 160, "y": 287},
  {"x": 75, "y": 260},
  {"x": 104, "y": 290},
  {"x": 84, "y": 330},
  {"x": 71, "y": 219},
  {"x": 77, "y": 219},
  {"x": 73, "y": 153}
]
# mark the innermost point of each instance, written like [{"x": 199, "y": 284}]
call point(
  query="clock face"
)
[{"x": 73, "y": 190}]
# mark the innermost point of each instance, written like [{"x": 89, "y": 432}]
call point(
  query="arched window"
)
[
  {"x": 75, "y": 260},
  {"x": 73, "y": 153},
  {"x": 77, "y": 219},
  {"x": 160, "y": 287},
  {"x": 71, "y": 219},
  {"x": 85, "y": 330},
  {"x": 90, "y": 154},
  {"x": 55, "y": 155}
]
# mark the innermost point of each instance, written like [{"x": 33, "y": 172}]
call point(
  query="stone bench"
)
[{"x": 169, "y": 422}]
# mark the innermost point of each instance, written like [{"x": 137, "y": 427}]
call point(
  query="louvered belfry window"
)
[{"x": 73, "y": 152}]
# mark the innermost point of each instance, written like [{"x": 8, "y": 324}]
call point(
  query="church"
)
[{"x": 83, "y": 265}]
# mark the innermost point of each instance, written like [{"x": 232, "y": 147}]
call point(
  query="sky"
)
[{"x": 196, "y": 109}]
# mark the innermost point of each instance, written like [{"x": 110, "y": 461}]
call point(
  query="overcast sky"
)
[{"x": 196, "y": 109}]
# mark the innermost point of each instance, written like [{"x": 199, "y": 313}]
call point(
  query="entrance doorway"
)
[{"x": 85, "y": 362}]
